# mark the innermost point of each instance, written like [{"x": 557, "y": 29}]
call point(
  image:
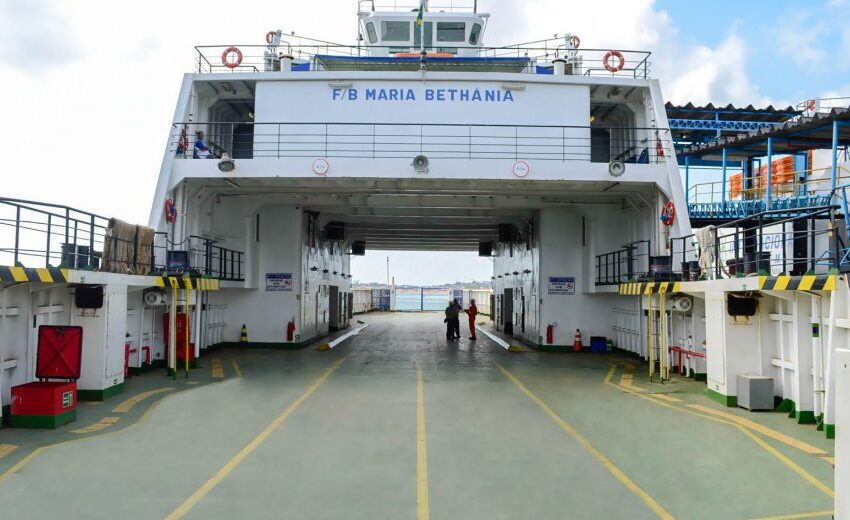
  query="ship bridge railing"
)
[
  {"x": 767, "y": 244},
  {"x": 528, "y": 58},
  {"x": 749, "y": 195},
  {"x": 241, "y": 140},
  {"x": 43, "y": 235}
]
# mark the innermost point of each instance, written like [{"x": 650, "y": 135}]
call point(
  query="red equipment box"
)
[
  {"x": 44, "y": 404},
  {"x": 48, "y": 404}
]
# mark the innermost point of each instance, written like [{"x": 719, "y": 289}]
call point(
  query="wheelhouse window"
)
[
  {"x": 475, "y": 34},
  {"x": 428, "y": 28},
  {"x": 451, "y": 31},
  {"x": 371, "y": 33},
  {"x": 395, "y": 31}
]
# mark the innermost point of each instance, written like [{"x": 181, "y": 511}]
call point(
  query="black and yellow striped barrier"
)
[
  {"x": 641, "y": 288},
  {"x": 38, "y": 275},
  {"x": 825, "y": 282},
  {"x": 188, "y": 282},
  {"x": 809, "y": 282}
]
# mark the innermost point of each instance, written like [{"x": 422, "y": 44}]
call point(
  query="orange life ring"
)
[
  {"x": 231, "y": 64},
  {"x": 659, "y": 147},
  {"x": 170, "y": 211},
  {"x": 621, "y": 61},
  {"x": 668, "y": 213},
  {"x": 270, "y": 36},
  {"x": 575, "y": 41},
  {"x": 427, "y": 55},
  {"x": 810, "y": 105}
]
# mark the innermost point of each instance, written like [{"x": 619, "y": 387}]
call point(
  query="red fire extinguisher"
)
[
  {"x": 550, "y": 333},
  {"x": 290, "y": 331},
  {"x": 577, "y": 341}
]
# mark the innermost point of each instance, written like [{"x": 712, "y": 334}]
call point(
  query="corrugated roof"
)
[
  {"x": 730, "y": 112},
  {"x": 802, "y": 134}
]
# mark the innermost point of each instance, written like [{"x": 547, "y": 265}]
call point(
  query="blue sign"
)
[
  {"x": 450, "y": 95},
  {"x": 279, "y": 282},
  {"x": 562, "y": 286}
]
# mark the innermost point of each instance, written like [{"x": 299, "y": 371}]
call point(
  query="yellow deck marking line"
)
[
  {"x": 829, "y": 460},
  {"x": 128, "y": 405},
  {"x": 36, "y": 452},
  {"x": 613, "y": 469},
  {"x": 217, "y": 369},
  {"x": 6, "y": 449},
  {"x": 422, "y": 507},
  {"x": 764, "y": 430},
  {"x": 249, "y": 448},
  {"x": 236, "y": 368},
  {"x": 101, "y": 424},
  {"x": 666, "y": 397},
  {"x": 627, "y": 380},
  {"x": 799, "y": 516},
  {"x": 758, "y": 440},
  {"x": 610, "y": 374}
]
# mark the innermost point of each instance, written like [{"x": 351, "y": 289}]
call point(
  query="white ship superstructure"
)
[{"x": 287, "y": 157}]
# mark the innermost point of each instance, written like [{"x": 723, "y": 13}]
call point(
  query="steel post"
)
[{"x": 769, "y": 172}]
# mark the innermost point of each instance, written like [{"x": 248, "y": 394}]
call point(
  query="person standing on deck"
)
[
  {"x": 472, "y": 311},
  {"x": 451, "y": 315},
  {"x": 455, "y": 321}
]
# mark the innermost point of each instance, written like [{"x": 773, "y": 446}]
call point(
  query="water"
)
[{"x": 414, "y": 301}]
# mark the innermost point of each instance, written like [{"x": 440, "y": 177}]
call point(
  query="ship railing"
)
[
  {"x": 206, "y": 257},
  {"x": 44, "y": 235},
  {"x": 810, "y": 107},
  {"x": 815, "y": 184},
  {"x": 247, "y": 140},
  {"x": 401, "y": 6},
  {"x": 766, "y": 244},
  {"x": 313, "y": 55},
  {"x": 624, "y": 264}
]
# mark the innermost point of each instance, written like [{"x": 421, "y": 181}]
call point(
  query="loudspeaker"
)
[
  {"x": 485, "y": 248},
  {"x": 88, "y": 296},
  {"x": 616, "y": 168},
  {"x": 334, "y": 231},
  {"x": 358, "y": 248}
]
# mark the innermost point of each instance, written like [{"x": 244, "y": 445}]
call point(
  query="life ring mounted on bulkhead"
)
[
  {"x": 668, "y": 213},
  {"x": 575, "y": 41},
  {"x": 614, "y": 67},
  {"x": 225, "y": 57},
  {"x": 170, "y": 211},
  {"x": 270, "y": 36}
]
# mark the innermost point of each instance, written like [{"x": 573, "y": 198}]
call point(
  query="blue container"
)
[{"x": 598, "y": 344}]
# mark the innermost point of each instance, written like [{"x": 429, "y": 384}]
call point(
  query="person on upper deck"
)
[{"x": 201, "y": 150}]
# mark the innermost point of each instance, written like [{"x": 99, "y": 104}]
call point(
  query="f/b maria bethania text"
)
[{"x": 470, "y": 95}]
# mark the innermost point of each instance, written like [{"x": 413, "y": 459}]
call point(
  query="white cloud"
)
[
  {"x": 717, "y": 75},
  {"x": 36, "y": 36}
]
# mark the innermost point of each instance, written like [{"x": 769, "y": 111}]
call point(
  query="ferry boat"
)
[{"x": 288, "y": 156}]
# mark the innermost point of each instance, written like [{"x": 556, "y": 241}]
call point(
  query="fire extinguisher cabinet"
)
[{"x": 51, "y": 401}]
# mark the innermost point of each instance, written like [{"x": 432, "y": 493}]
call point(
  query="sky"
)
[{"x": 91, "y": 85}]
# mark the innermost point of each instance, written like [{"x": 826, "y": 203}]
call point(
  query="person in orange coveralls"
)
[{"x": 472, "y": 311}]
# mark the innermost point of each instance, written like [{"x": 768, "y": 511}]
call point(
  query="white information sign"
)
[
  {"x": 279, "y": 282},
  {"x": 562, "y": 285}
]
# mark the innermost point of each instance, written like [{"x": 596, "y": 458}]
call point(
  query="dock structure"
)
[{"x": 635, "y": 299}]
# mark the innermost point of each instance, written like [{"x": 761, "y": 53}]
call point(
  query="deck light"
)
[{"x": 226, "y": 164}]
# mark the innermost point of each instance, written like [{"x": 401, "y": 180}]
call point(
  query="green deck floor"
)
[{"x": 348, "y": 450}]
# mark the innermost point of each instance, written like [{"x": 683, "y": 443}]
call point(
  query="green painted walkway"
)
[{"x": 327, "y": 435}]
